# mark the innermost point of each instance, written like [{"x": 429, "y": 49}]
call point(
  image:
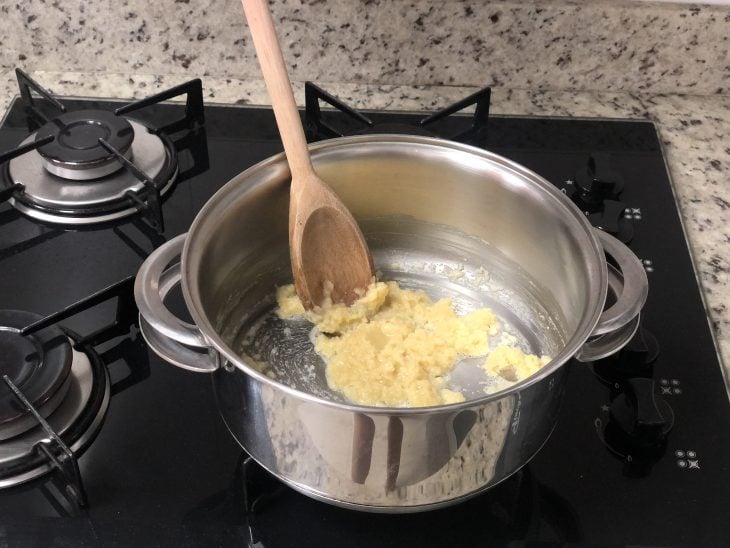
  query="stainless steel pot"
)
[{"x": 441, "y": 216}]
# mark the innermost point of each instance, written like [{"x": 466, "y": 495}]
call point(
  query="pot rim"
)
[{"x": 587, "y": 238}]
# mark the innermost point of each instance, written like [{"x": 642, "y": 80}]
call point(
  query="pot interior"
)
[{"x": 453, "y": 221}]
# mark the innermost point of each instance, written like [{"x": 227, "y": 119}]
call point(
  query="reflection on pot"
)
[
  {"x": 387, "y": 452},
  {"x": 404, "y": 460},
  {"x": 254, "y": 509}
]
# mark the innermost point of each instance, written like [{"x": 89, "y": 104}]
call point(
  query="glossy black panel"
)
[{"x": 164, "y": 469}]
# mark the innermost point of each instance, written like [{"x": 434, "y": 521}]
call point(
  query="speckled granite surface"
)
[
  {"x": 535, "y": 44},
  {"x": 693, "y": 129}
]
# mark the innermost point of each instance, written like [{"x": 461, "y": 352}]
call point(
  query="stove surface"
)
[{"x": 163, "y": 469}]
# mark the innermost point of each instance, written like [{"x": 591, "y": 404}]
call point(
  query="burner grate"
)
[
  {"x": 57, "y": 441},
  {"x": 55, "y": 451},
  {"x": 39, "y": 363},
  {"x": 319, "y": 128},
  {"x": 83, "y": 151}
]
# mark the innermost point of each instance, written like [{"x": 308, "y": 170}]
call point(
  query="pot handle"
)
[
  {"x": 619, "y": 322},
  {"x": 171, "y": 338}
]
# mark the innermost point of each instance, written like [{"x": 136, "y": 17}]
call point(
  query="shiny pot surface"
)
[{"x": 447, "y": 218}]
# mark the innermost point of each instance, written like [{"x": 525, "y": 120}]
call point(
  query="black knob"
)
[
  {"x": 636, "y": 359},
  {"x": 610, "y": 218},
  {"x": 596, "y": 191},
  {"x": 638, "y": 426},
  {"x": 642, "y": 418},
  {"x": 599, "y": 181},
  {"x": 642, "y": 349}
]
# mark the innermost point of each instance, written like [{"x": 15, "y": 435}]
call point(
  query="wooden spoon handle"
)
[{"x": 279, "y": 86}]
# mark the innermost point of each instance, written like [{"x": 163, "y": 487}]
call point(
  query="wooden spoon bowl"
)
[{"x": 329, "y": 255}]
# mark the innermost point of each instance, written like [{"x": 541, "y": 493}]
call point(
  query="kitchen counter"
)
[{"x": 692, "y": 128}]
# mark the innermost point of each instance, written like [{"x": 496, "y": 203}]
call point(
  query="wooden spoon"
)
[{"x": 325, "y": 243}]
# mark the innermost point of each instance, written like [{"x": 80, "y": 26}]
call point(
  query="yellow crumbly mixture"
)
[
  {"x": 394, "y": 346},
  {"x": 513, "y": 364},
  {"x": 333, "y": 318}
]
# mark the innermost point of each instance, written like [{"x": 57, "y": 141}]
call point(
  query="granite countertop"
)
[{"x": 693, "y": 129}]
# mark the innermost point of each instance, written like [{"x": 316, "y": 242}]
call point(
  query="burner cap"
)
[
  {"x": 37, "y": 364},
  {"x": 75, "y": 152}
]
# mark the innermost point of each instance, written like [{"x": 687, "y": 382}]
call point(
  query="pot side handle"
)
[
  {"x": 618, "y": 323},
  {"x": 171, "y": 338}
]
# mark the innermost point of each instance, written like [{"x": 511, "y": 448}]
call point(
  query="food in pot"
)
[
  {"x": 396, "y": 347},
  {"x": 513, "y": 364}
]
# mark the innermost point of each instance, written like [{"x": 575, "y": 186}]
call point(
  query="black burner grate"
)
[
  {"x": 53, "y": 453},
  {"x": 319, "y": 128},
  {"x": 94, "y": 143}
]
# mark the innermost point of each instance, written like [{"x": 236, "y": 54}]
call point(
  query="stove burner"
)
[
  {"x": 77, "y": 169},
  {"x": 38, "y": 364},
  {"x": 75, "y": 152},
  {"x": 48, "y": 198},
  {"x": 77, "y": 420},
  {"x": 54, "y": 442}
]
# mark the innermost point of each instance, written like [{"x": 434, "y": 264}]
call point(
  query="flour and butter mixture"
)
[{"x": 396, "y": 347}]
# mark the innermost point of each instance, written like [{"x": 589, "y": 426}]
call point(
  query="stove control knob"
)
[
  {"x": 642, "y": 350},
  {"x": 599, "y": 181},
  {"x": 642, "y": 418},
  {"x": 636, "y": 359},
  {"x": 610, "y": 218}
]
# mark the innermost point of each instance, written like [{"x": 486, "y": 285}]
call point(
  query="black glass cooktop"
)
[{"x": 163, "y": 469}]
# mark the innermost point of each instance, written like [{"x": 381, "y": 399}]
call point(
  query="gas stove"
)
[{"x": 101, "y": 442}]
